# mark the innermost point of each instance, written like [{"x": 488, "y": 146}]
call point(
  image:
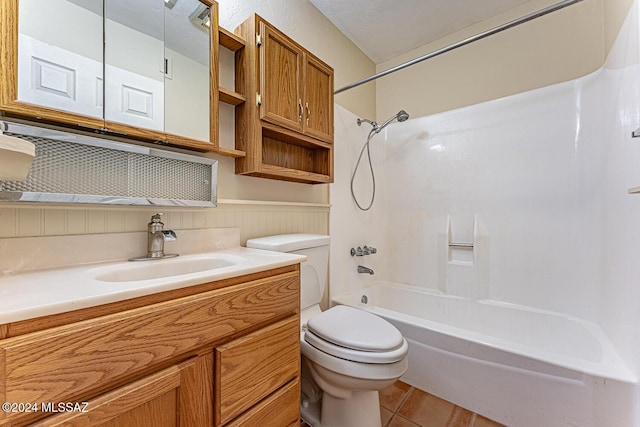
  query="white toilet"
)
[{"x": 347, "y": 354}]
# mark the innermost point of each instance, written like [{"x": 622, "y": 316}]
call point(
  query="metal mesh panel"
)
[
  {"x": 185, "y": 180},
  {"x": 71, "y": 168}
]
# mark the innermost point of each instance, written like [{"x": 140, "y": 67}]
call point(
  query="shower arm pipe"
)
[{"x": 496, "y": 30}]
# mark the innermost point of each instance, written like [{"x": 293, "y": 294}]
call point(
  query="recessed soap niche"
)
[{"x": 75, "y": 168}]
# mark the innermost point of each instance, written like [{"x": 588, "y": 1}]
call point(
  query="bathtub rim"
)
[{"x": 615, "y": 369}]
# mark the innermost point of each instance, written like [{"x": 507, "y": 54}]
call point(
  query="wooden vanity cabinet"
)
[
  {"x": 227, "y": 353},
  {"x": 287, "y": 132}
]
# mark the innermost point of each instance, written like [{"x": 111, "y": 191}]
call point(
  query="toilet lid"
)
[
  {"x": 355, "y": 329},
  {"x": 334, "y": 350}
]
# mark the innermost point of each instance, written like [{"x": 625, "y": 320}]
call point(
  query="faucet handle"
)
[{"x": 155, "y": 224}]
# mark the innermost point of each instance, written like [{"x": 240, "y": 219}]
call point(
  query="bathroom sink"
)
[{"x": 133, "y": 272}]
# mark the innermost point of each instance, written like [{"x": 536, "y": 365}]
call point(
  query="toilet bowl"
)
[{"x": 348, "y": 355}]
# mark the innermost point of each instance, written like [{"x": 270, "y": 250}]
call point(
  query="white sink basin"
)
[{"x": 158, "y": 269}]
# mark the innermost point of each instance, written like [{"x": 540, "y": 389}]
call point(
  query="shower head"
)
[{"x": 400, "y": 117}]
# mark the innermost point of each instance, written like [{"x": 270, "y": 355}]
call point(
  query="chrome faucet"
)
[
  {"x": 155, "y": 240},
  {"x": 362, "y": 269}
]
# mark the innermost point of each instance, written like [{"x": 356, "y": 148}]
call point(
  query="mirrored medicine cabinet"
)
[{"x": 146, "y": 69}]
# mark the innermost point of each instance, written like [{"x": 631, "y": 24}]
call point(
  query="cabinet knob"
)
[
  {"x": 308, "y": 113},
  {"x": 300, "y": 110}
]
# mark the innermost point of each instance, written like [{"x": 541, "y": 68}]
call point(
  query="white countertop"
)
[{"x": 44, "y": 292}]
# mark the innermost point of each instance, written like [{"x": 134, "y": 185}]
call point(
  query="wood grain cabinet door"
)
[
  {"x": 280, "y": 88},
  {"x": 318, "y": 98},
  {"x": 158, "y": 400}
]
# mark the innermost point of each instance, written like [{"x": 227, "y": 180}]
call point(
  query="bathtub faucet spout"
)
[{"x": 362, "y": 269}]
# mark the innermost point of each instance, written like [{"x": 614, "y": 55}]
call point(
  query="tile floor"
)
[{"x": 402, "y": 405}]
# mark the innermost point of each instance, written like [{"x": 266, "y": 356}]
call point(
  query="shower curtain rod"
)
[{"x": 498, "y": 29}]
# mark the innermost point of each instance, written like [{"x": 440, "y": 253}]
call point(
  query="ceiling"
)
[{"x": 383, "y": 29}]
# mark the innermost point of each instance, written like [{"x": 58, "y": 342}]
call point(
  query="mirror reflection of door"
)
[
  {"x": 60, "y": 53},
  {"x": 157, "y": 65},
  {"x": 133, "y": 63}
]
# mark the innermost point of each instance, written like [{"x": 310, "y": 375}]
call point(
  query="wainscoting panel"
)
[{"x": 254, "y": 219}]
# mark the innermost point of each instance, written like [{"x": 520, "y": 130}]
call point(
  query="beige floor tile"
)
[
  {"x": 427, "y": 410},
  {"x": 385, "y": 416},
  {"x": 391, "y": 397}
]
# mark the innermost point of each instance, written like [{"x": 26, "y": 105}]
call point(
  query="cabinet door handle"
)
[
  {"x": 300, "y": 111},
  {"x": 308, "y": 113}
]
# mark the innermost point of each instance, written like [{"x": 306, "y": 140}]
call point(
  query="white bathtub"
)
[{"x": 517, "y": 365}]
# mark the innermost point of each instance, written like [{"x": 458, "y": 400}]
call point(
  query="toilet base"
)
[{"x": 361, "y": 410}]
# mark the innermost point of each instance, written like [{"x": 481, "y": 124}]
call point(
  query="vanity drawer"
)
[
  {"x": 76, "y": 360},
  {"x": 254, "y": 366},
  {"x": 282, "y": 408}
]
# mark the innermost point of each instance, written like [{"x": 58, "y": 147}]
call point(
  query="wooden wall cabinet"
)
[
  {"x": 287, "y": 132},
  {"x": 220, "y": 353},
  {"x": 99, "y": 94}
]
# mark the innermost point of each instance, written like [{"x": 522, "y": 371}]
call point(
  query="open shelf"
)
[
  {"x": 230, "y": 40},
  {"x": 230, "y": 97},
  {"x": 292, "y": 158},
  {"x": 230, "y": 152},
  {"x": 278, "y": 172}
]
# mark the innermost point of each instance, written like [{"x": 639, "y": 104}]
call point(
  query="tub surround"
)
[{"x": 538, "y": 182}]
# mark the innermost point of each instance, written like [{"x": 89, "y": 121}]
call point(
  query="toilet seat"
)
[
  {"x": 357, "y": 355},
  {"x": 350, "y": 368},
  {"x": 356, "y": 335}
]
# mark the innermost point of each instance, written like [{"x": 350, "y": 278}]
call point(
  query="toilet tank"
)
[{"x": 313, "y": 272}]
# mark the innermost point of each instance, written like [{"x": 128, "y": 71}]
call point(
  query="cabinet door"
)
[
  {"x": 177, "y": 396},
  {"x": 318, "y": 98},
  {"x": 280, "y": 64},
  {"x": 152, "y": 401}
]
